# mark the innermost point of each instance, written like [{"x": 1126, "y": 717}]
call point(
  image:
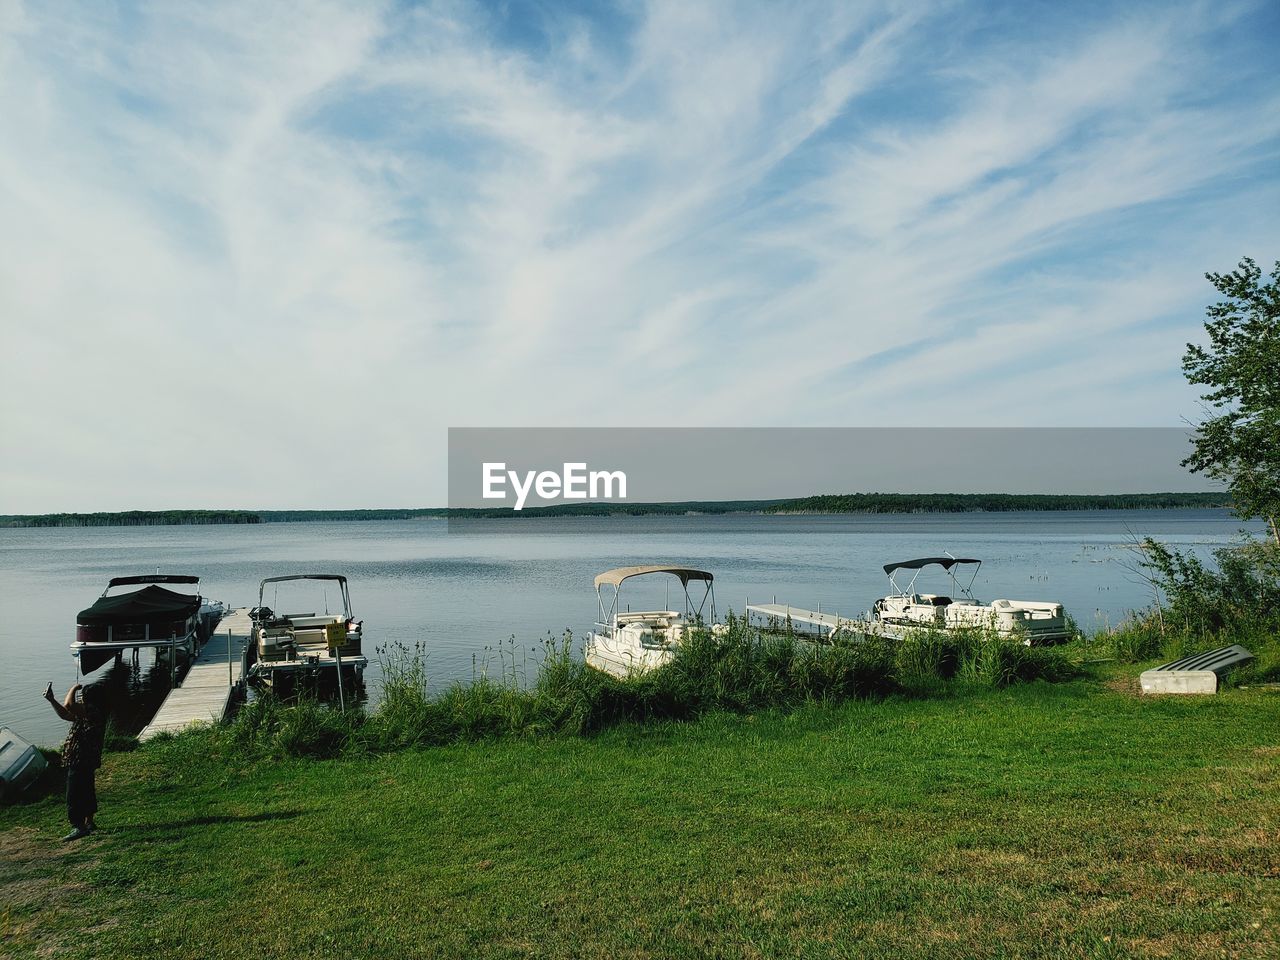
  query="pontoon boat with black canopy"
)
[
  {"x": 1032, "y": 620},
  {"x": 627, "y": 642},
  {"x": 152, "y": 616}
]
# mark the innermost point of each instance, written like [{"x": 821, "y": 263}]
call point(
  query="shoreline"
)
[{"x": 864, "y": 504}]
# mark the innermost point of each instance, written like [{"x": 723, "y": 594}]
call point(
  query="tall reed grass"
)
[{"x": 743, "y": 670}]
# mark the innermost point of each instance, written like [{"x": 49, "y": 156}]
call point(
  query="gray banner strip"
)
[{"x": 527, "y": 466}]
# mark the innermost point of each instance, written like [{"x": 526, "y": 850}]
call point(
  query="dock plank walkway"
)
[
  {"x": 826, "y": 623},
  {"x": 206, "y": 689},
  {"x": 782, "y": 612}
]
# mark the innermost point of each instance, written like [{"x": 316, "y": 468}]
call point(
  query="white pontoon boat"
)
[
  {"x": 311, "y": 642},
  {"x": 627, "y": 642},
  {"x": 1037, "y": 622}
]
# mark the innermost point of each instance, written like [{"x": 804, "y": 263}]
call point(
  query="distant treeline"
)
[
  {"x": 616, "y": 508},
  {"x": 996, "y": 502},
  {"x": 300, "y": 516},
  {"x": 829, "y": 503},
  {"x": 131, "y": 518}
]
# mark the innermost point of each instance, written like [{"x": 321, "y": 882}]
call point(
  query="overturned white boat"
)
[
  {"x": 629, "y": 642},
  {"x": 21, "y": 764},
  {"x": 1033, "y": 621}
]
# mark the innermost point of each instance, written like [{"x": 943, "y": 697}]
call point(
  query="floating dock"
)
[
  {"x": 825, "y": 624},
  {"x": 205, "y": 692},
  {"x": 828, "y": 623}
]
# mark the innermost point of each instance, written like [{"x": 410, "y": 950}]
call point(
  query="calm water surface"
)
[{"x": 463, "y": 593}]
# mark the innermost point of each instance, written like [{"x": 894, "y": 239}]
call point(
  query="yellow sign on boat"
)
[{"x": 335, "y": 634}]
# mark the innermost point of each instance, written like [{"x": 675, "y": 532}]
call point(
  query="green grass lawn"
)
[{"x": 1070, "y": 820}]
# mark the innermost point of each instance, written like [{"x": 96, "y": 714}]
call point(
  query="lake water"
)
[{"x": 464, "y": 593}]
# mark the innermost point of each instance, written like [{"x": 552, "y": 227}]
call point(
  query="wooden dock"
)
[{"x": 206, "y": 689}]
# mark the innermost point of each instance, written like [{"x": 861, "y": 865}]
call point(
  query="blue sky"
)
[{"x": 267, "y": 234}]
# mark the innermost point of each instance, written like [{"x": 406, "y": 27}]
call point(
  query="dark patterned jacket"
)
[{"x": 83, "y": 746}]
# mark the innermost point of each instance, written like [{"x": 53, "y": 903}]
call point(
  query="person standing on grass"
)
[{"x": 82, "y": 752}]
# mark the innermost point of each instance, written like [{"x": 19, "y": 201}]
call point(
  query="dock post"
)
[
  {"x": 335, "y": 636},
  {"x": 173, "y": 660},
  {"x": 230, "y": 676},
  {"x": 342, "y": 701}
]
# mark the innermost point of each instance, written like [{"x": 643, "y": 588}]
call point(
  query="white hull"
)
[
  {"x": 624, "y": 657},
  {"x": 1035, "y": 622}
]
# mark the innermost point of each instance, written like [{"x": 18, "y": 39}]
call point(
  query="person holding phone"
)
[{"x": 81, "y": 752}]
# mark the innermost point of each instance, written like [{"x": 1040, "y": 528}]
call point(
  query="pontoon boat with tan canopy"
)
[{"x": 626, "y": 642}]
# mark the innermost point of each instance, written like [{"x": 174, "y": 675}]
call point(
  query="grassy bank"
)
[
  {"x": 1063, "y": 820},
  {"x": 948, "y": 795},
  {"x": 742, "y": 671}
]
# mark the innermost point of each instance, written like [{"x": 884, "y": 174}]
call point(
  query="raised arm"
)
[{"x": 68, "y": 709}]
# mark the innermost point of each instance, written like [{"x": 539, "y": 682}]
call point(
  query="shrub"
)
[
  {"x": 1205, "y": 607},
  {"x": 1242, "y": 592},
  {"x": 266, "y": 726}
]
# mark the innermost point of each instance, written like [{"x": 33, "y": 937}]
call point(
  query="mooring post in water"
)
[{"x": 173, "y": 660}]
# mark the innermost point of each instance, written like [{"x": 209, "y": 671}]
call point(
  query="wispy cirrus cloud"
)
[{"x": 341, "y": 228}]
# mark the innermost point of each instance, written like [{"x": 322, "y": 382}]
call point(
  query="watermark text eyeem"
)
[{"x": 574, "y": 482}]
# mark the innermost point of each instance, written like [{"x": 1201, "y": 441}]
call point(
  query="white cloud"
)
[{"x": 321, "y": 232}]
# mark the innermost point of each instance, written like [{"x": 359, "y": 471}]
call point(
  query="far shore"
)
[{"x": 822, "y": 505}]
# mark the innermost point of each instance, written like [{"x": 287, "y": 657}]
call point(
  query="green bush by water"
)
[
  {"x": 742, "y": 671},
  {"x": 1237, "y": 601}
]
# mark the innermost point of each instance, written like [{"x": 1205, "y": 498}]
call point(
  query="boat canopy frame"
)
[
  {"x": 948, "y": 563},
  {"x": 149, "y": 578},
  {"x": 335, "y": 577},
  {"x": 615, "y": 578}
]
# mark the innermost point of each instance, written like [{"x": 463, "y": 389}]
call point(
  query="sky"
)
[{"x": 264, "y": 255}]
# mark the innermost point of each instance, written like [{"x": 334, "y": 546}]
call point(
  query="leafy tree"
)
[{"x": 1239, "y": 442}]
